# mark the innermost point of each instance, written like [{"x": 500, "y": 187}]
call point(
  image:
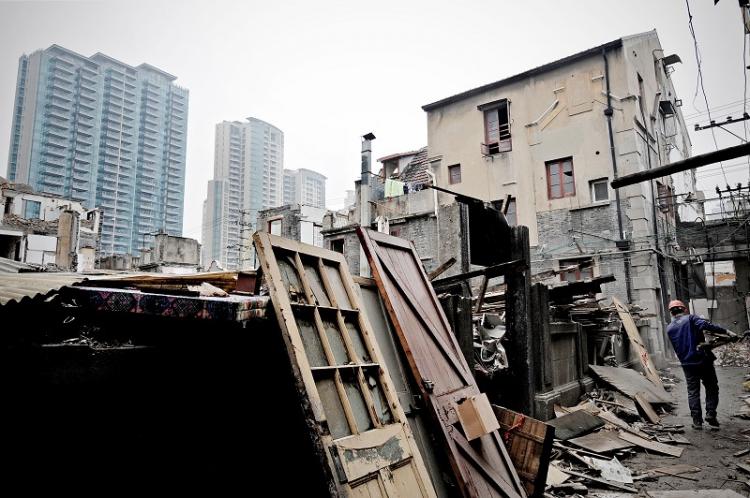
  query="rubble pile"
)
[{"x": 734, "y": 355}]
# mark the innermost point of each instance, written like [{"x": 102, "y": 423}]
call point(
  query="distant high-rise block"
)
[
  {"x": 304, "y": 186},
  {"x": 248, "y": 177},
  {"x": 106, "y": 134}
]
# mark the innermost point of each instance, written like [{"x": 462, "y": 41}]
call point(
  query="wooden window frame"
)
[
  {"x": 558, "y": 163},
  {"x": 504, "y": 141}
]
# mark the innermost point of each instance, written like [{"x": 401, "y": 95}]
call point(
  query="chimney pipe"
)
[{"x": 365, "y": 196}]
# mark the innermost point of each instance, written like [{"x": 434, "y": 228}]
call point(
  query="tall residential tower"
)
[
  {"x": 106, "y": 134},
  {"x": 248, "y": 177},
  {"x": 304, "y": 186}
]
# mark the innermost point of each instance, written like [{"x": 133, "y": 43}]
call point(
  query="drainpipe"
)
[
  {"x": 608, "y": 112},
  {"x": 365, "y": 197}
]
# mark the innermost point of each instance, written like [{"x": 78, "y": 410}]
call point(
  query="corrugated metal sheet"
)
[
  {"x": 10, "y": 266},
  {"x": 17, "y": 287}
]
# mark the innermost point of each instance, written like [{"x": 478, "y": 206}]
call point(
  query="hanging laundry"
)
[{"x": 394, "y": 188}]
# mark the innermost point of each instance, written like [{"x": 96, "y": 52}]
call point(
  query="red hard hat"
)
[{"x": 677, "y": 304}]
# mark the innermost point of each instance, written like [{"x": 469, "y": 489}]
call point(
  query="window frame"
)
[
  {"x": 272, "y": 222},
  {"x": 504, "y": 142},
  {"x": 29, "y": 202},
  {"x": 592, "y": 184},
  {"x": 451, "y": 169},
  {"x": 558, "y": 163}
]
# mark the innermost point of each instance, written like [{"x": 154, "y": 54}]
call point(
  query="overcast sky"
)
[{"x": 327, "y": 71}]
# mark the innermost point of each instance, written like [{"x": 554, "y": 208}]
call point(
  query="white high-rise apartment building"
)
[
  {"x": 304, "y": 186},
  {"x": 248, "y": 177}
]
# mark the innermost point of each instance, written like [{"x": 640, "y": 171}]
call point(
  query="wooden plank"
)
[
  {"x": 630, "y": 382},
  {"x": 482, "y": 467},
  {"x": 646, "y": 408},
  {"x": 529, "y": 443},
  {"x": 620, "y": 423},
  {"x": 655, "y": 446},
  {"x": 635, "y": 340},
  {"x": 677, "y": 471},
  {"x": 575, "y": 424},
  {"x": 601, "y": 442},
  {"x": 441, "y": 269}
]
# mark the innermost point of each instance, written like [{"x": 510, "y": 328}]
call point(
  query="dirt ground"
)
[{"x": 710, "y": 450}]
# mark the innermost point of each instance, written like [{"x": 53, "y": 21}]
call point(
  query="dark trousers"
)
[{"x": 694, "y": 374}]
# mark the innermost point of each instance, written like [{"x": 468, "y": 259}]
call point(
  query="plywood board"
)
[
  {"x": 482, "y": 467},
  {"x": 575, "y": 424},
  {"x": 601, "y": 442},
  {"x": 630, "y": 382},
  {"x": 529, "y": 444},
  {"x": 654, "y": 446},
  {"x": 637, "y": 343}
]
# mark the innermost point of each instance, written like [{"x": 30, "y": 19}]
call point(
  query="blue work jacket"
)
[{"x": 686, "y": 332}]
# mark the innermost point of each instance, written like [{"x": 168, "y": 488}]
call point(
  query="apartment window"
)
[
  {"x": 274, "y": 227},
  {"x": 510, "y": 211},
  {"x": 574, "y": 270},
  {"x": 599, "y": 190},
  {"x": 31, "y": 209},
  {"x": 454, "y": 173},
  {"x": 337, "y": 245},
  {"x": 560, "y": 179},
  {"x": 496, "y": 127}
]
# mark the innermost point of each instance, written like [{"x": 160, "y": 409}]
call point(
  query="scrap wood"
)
[
  {"x": 441, "y": 269},
  {"x": 610, "y": 484},
  {"x": 602, "y": 442},
  {"x": 743, "y": 467},
  {"x": 677, "y": 471},
  {"x": 620, "y": 423},
  {"x": 555, "y": 475},
  {"x": 646, "y": 408},
  {"x": 630, "y": 382},
  {"x": 635, "y": 340},
  {"x": 575, "y": 424},
  {"x": 651, "y": 445},
  {"x": 741, "y": 452}
]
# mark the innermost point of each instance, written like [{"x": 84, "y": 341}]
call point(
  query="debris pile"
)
[{"x": 734, "y": 355}]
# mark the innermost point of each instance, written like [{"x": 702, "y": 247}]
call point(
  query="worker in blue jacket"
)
[{"x": 686, "y": 333}]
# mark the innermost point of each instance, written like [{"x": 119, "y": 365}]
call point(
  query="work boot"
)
[
  {"x": 713, "y": 422},
  {"x": 697, "y": 424}
]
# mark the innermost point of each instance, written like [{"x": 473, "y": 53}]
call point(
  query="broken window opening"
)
[
  {"x": 575, "y": 270},
  {"x": 496, "y": 128}
]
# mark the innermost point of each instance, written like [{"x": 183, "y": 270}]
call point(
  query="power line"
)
[{"x": 700, "y": 79}]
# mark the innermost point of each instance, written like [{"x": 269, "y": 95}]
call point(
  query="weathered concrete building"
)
[
  {"x": 298, "y": 222},
  {"x": 170, "y": 254},
  {"x": 43, "y": 229},
  {"x": 544, "y": 144}
]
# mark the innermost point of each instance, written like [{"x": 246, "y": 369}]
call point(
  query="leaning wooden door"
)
[
  {"x": 481, "y": 466},
  {"x": 358, "y": 421}
]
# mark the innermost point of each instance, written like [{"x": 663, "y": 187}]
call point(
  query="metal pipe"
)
[
  {"x": 608, "y": 112},
  {"x": 686, "y": 164}
]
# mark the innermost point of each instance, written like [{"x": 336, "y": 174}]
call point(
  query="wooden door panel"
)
[
  {"x": 353, "y": 411},
  {"x": 482, "y": 467}
]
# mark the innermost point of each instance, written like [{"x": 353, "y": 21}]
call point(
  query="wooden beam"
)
[{"x": 490, "y": 272}]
